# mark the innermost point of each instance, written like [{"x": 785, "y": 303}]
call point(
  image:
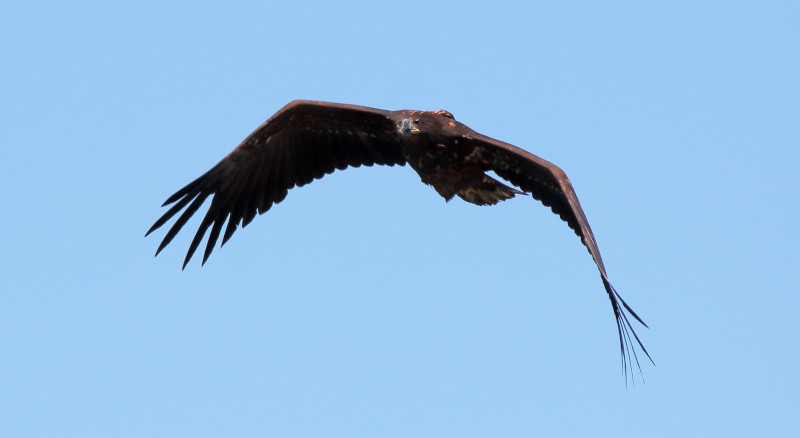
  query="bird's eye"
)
[{"x": 416, "y": 120}]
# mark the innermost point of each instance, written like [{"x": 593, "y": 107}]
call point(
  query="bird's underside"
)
[
  {"x": 306, "y": 140},
  {"x": 450, "y": 174}
]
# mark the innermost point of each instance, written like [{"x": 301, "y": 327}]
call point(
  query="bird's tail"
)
[{"x": 488, "y": 192}]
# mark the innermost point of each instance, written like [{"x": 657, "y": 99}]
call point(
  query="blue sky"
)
[{"x": 364, "y": 305}]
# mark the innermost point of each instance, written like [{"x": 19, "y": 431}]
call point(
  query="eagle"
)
[{"x": 306, "y": 140}]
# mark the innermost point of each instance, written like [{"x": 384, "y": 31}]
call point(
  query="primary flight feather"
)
[{"x": 305, "y": 140}]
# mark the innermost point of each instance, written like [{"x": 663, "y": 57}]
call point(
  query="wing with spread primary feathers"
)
[
  {"x": 547, "y": 183},
  {"x": 303, "y": 141}
]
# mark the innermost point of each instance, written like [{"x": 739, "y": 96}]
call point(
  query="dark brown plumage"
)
[{"x": 306, "y": 140}]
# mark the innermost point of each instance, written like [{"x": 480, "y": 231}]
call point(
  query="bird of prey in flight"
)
[{"x": 306, "y": 140}]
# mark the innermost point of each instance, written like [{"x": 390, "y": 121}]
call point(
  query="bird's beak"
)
[{"x": 406, "y": 127}]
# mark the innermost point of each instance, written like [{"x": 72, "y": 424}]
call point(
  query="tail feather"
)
[{"x": 488, "y": 192}]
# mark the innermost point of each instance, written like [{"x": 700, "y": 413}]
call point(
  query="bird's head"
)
[
  {"x": 409, "y": 126},
  {"x": 415, "y": 122}
]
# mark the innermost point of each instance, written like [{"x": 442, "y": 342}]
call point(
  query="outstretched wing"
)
[
  {"x": 547, "y": 183},
  {"x": 303, "y": 141}
]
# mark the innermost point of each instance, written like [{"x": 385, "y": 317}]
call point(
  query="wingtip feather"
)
[{"x": 627, "y": 345}]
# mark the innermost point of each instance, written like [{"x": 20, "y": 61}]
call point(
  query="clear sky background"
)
[{"x": 364, "y": 305}]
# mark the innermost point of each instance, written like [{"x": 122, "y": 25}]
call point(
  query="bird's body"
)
[
  {"x": 438, "y": 149},
  {"x": 307, "y": 139}
]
